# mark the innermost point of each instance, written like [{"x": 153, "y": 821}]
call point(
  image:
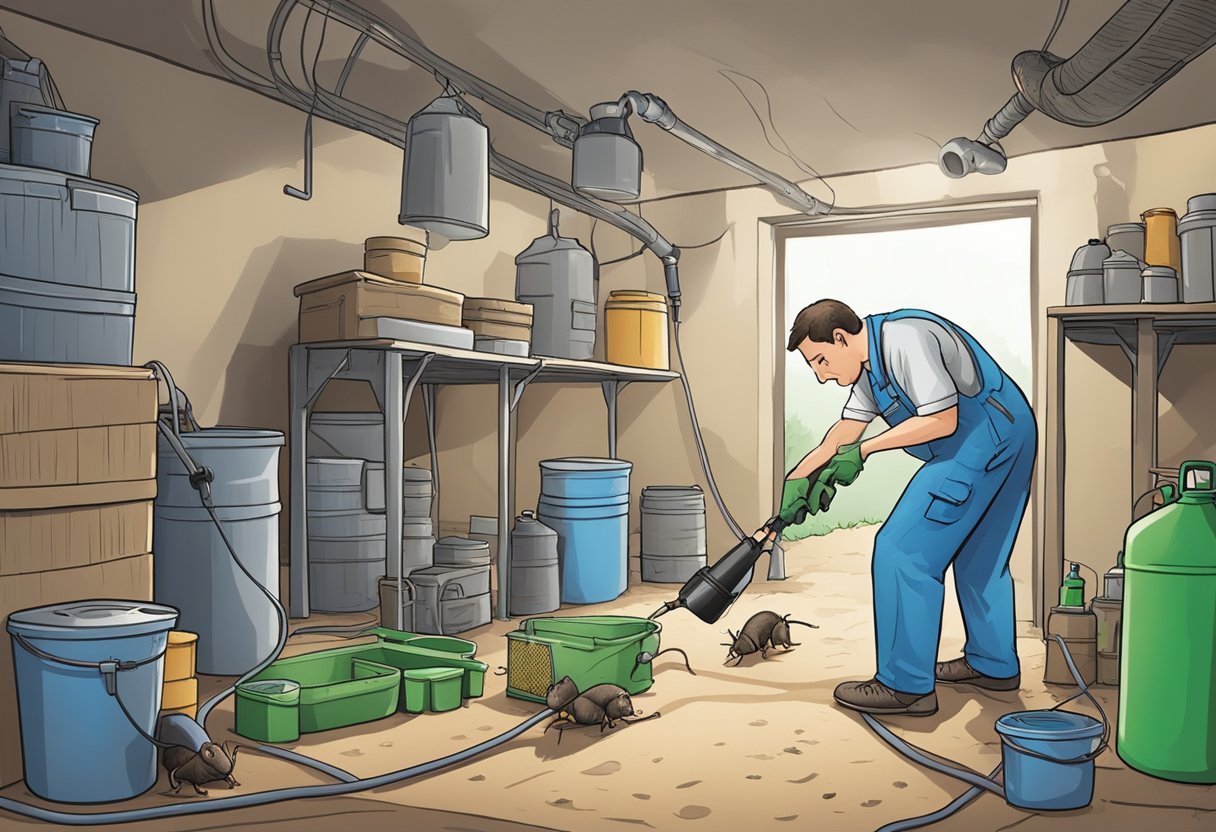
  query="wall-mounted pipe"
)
[{"x": 1141, "y": 46}]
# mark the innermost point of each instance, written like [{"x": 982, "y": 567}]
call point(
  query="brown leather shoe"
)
[
  {"x": 873, "y": 697},
  {"x": 958, "y": 672}
]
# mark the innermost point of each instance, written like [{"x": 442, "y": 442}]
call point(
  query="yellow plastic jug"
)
[{"x": 635, "y": 324}]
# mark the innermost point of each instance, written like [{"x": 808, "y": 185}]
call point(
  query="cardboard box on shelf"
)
[
  {"x": 344, "y": 306},
  {"x": 126, "y": 579},
  {"x": 76, "y": 435}
]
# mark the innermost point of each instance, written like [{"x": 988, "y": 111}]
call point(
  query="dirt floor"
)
[{"x": 755, "y": 747}]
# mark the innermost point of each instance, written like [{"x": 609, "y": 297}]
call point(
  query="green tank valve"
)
[{"x": 1072, "y": 592}]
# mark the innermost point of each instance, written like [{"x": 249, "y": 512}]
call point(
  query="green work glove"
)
[
  {"x": 846, "y": 465},
  {"x": 793, "y": 500},
  {"x": 821, "y": 495}
]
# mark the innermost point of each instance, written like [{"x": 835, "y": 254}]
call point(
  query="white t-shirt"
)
[{"x": 928, "y": 361}]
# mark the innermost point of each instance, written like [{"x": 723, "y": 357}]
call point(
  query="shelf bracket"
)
[
  {"x": 612, "y": 388},
  {"x": 518, "y": 392},
  {"x": 1165, "y": 345},
  {"x": 323, "y": 367}
]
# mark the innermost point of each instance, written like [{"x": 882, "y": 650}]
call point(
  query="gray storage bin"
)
[
  {"x": 65, "y": 229},
  {"x": 49, "y": 322},
  {"x": 43, "y": 137},
  {"x": 451, "y": 600}
]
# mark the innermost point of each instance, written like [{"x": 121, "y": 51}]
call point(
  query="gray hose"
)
[
  {"x": 942, "y": 813},
  {"x": 245, "y": 801},
  {"x": 291, "y": 756},
  {"x": 918, "y": 756},
  {"x": 700, "y": 441}
]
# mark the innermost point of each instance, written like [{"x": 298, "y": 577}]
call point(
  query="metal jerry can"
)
[
  {"x": 557, "y": 276},
  {"x": 1167, "y": 705}
]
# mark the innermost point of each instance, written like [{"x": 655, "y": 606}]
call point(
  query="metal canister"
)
[
  {"x": 1197, "y": 233},
  {"x": 1161, "y": 245},
  {"x": 1167, "y": 704},
  {"x": 1084, "y": 287},
  {"x": 1126, "y": 236},
  {"x": 1160, "y": 285},
  {"x": 557, "y": 277},
  {"x": 1121, "y": 278},
  {"x": 535, "y": 586}
]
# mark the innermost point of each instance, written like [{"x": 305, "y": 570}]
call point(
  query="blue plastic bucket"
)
[
  {"x": 1066, "y": 780},
  {"x": 586, "y": 501},
  {"x": 77, "y": 745}
]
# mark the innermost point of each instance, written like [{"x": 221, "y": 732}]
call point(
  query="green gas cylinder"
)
[{"x": 1167, "y": 704}]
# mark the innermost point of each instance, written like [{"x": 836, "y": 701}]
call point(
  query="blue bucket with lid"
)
[
  {"x": 77, "y": 745},
  {"x": 1049, "y": 758}
]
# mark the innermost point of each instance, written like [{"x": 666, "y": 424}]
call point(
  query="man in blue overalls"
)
[{"x": 947, "y": 402}]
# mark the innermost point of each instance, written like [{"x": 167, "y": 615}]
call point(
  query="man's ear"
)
[{"x": 840, "y": 337}]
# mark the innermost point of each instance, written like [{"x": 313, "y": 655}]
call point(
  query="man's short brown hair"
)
[{"x": 819, "y": 320}]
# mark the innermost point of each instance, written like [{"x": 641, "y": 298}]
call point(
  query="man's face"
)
[{"x": 834, "y": 361}]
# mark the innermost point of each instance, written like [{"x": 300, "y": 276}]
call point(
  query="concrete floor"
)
[{"x": 759, "y": 747}]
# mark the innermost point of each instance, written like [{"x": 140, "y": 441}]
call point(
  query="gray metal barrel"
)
[
  {"x": 236, "y": 623},
  {"x": 673, "y": 532},
  {"x": 535, "y": 585},
  {"x": 358, "y": 435}
]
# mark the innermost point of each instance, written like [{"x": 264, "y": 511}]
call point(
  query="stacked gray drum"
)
[
  {"x": 67, "y": 243},
  {"x": 236, "y": 622},
  {"x": 535, "y": 584},
  {"x": 673, "y": 533},
  {"x": 453, "y": 595},
  {"x": 345, "y": 538},
  {"x": 67, "y": 268},
  {"x": 557, "y": 276},
  {"x": 347, "y": 531}
]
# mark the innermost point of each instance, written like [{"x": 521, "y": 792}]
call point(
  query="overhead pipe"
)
[
  {"x": 386, "y": 128},
  {"x": 654, "y": 110},
  {"x": 560, "y": 125},
  {"x": 1141, "y": 46}
]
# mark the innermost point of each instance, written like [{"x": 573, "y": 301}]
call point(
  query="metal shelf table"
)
[
  {"x": 394, "y": 369},
  {"x": 1146, "y": 332}
]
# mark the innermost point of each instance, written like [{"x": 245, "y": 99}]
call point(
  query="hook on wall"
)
[{"x": 290, "y": 190}]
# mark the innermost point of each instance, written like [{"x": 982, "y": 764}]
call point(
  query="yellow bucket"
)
[
  {"x": 180, "y": 695},
  {"x": 179, "y": 655},
  {"x": 635, "y": 324}
]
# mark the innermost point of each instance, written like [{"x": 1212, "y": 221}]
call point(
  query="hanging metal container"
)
[
  {"x": 607, "y": 162},
  {"x": 445, "y": 185},
  {"x": 1167, "y": 704},
  {"x": 557, "y": 276}
]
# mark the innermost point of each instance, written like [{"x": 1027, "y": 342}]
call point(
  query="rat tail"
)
[
  {"x": 687, "y": 663},
  {"x": 803, "y": 623},
  {"x": 654, "y": 715}
]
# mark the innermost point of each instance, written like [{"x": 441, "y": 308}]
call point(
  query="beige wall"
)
[{"x": 220, "y": 247}]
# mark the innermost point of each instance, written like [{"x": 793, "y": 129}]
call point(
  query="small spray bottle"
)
[{"x": 1072, "y": 592}]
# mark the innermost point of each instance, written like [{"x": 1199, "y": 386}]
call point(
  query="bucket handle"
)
[
  {"x": 1084, "y": 691},
  {"x": 109, "y": 671}
]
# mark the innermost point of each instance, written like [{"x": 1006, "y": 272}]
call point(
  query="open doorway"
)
[{"x": 973, "y": 268}]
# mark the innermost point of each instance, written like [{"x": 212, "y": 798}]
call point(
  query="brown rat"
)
[
  {"x": 210, "y": 763},
  {"x": 762, "y": 631},
  {"x": 603, "y": 705}
]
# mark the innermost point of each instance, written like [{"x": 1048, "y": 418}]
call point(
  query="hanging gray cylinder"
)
[
  {"x": 236, "y": 623},
  {"x": 535, "y": 585},
  {"x": 673, "y": 533},
  {"x": 557, "y": 276},
  {"x": 445, "y": 185}
]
